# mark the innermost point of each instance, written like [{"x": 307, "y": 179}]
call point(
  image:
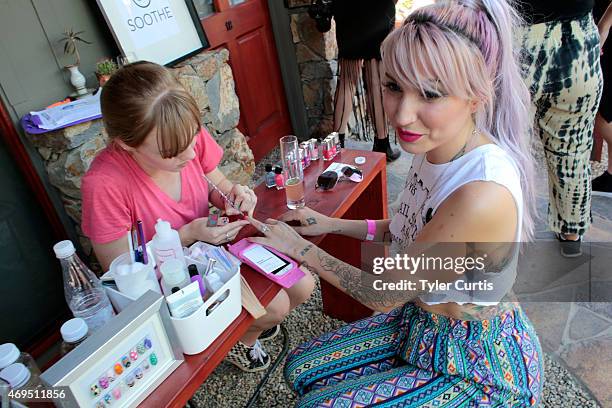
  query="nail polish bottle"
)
[
  {"x": 278, "y": 178},
  {"x": 336, "y": 137},
  {"x": 270, "y": 176},
  {"x": 328, "y": 149},
  {"x": 314, "y": 149},
  {"x": 196, "y": 277},
  {"x": 304, "y": 158}
]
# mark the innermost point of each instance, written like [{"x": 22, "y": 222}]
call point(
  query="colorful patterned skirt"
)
[{"x": 413, "y": 358}]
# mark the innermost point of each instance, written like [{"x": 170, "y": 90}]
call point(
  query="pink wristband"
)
[{"x": 371, "y": 230}]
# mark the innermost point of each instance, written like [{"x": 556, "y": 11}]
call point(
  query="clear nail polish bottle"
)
[{"x": 270, "y": 182}]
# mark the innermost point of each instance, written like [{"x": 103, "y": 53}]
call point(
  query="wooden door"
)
[
  {"x": 245, "y": 29},
  {"x": 31, "y": 289}
]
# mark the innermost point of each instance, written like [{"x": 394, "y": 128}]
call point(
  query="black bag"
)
[{"x": 321, "y": 12}]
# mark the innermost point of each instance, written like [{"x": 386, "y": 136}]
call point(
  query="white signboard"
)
[{"x": 161, "y": 31}]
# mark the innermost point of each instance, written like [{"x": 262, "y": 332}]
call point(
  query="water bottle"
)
[{"x": 85, "y": 295}]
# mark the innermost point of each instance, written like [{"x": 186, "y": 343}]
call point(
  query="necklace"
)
[
  {"x": 429, "y": 192},
  {"x": 461, "y": 151}
]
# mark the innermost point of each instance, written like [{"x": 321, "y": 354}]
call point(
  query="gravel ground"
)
[{"x": 229, "y": 387}]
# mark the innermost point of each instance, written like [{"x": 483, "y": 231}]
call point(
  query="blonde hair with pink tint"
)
[{"x": 466, "y": 49}]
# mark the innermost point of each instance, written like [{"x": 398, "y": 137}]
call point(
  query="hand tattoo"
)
[{"x": 311, "y": 221}]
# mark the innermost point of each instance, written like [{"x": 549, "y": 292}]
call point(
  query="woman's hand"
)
[
  {"x": 198, "y": 230},
  {"x": 279, "y": 236},
  {"x": 311, "y": 222},
  {"x": 243, "y": 198}
]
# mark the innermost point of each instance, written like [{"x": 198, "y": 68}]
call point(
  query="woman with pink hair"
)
[{"x": 454, "y": 93}]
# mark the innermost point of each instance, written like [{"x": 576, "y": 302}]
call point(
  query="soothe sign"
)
[
  {"x": 160, "y": 31},
  {"x": 149, "y": 21}
]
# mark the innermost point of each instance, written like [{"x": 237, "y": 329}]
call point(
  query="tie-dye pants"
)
[
  {"x": 563, "y": 73},
  {"x": 413, "y": 358}
]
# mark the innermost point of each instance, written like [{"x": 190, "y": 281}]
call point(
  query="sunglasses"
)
[{"x": 328, "y": 179}]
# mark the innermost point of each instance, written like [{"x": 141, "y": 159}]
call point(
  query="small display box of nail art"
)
[{"x": 123, "y": 362}]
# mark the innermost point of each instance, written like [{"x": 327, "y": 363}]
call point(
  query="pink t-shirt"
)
[{"x": 116, "y": 192}]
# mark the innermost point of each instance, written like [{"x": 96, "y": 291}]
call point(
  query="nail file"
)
[
  {"x": 223, "y": 195},
  {"x": 249, "y": 300}
]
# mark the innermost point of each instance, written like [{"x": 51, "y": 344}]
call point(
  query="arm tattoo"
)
[
  {"x": 306, "y": 249},
  {"x": 360, "y": 284}
]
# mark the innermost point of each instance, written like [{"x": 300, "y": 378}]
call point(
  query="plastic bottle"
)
[
  {"x": 269, "y": 176},
  {"x": 84, "y": 292},
  {"x": 173, "y": 274},
  {"x": 18, "y": 376},
  {"x": 74, "y": 332},
  {"x": 195, "y": 277},
  {"x": 278, "y": 178},
  {"x": 166, "y": 243},
  {"x": 224, "y": 274},
  {"x": 10, "y": 354},
  {"x": 214, "y": 283}
]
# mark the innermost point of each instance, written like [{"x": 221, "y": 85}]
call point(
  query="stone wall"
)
[
  {"x": 68, "y": 152},
  {"x": 317, "y": 61}
]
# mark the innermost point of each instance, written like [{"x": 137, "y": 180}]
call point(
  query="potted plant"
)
[
  {"x": 71, "y": 40},
  {"x": 104, "y": 69}
]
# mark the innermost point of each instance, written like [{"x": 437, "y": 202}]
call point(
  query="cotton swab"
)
[{"x": 130, "y": 246}]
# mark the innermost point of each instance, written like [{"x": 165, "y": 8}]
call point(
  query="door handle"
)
[{"x": 229, "y": 25}]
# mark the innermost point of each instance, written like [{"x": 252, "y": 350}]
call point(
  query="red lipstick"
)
[{"x": 407, "y": 136}]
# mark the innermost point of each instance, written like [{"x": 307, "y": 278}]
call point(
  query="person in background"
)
[
  {"x": 602, "y": 185},
  {"x": 361, "y": 26},
  {"x": 561, "y": 66},
  {"x": 153, "y": 168},
  {"x": 454, "y": 93}
]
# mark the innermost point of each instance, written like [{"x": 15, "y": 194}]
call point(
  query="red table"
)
[{"x": 348, "y": 200}]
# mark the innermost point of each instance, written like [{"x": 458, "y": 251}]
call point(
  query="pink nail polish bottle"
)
[{"x": 278, "y": 178}]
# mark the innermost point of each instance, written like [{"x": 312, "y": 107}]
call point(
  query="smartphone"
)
[{"x": 266, "y": 260}]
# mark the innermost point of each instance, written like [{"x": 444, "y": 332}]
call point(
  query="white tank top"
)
[{"x": 427, "y": 187}]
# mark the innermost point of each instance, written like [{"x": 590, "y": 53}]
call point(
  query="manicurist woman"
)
[{"x": 153, "y": 168}]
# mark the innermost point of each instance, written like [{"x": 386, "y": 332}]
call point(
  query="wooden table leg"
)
[{"x": 371, "y": 204}]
